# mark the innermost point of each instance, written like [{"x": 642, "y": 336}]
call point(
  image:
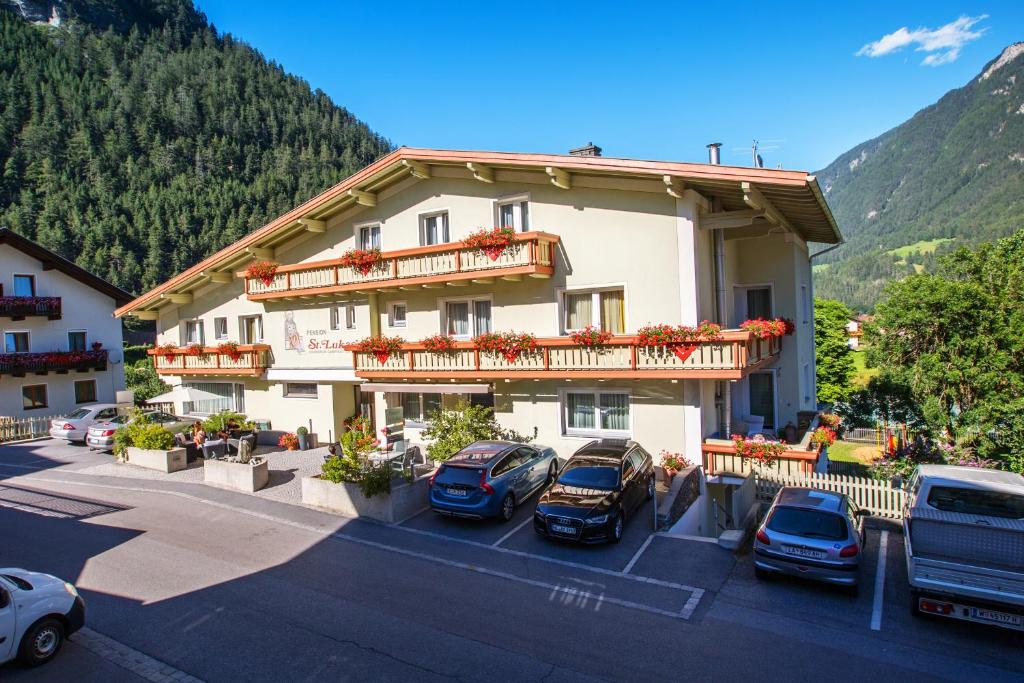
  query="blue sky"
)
[{"x": 644, "y": 80}]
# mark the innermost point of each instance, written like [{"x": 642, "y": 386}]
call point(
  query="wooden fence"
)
[
  {"x": 874, "y": 495},
  {"x": 16, "y": 429}
]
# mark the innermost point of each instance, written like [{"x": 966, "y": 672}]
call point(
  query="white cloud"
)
[{"x": 942, "y": 44}]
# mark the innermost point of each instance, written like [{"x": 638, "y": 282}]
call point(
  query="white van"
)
[{"x": 37, "y": 612}]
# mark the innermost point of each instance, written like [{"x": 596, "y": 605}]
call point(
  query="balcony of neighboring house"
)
[
  {"x": 531, "y": 254},
  {"x": 241, "y": 360},
  {"x": 796, "y": 457},
  {"x": 21, "y": 307},
  {"x": 60, "y": 362},
  {"x": 733, "y": 355}
]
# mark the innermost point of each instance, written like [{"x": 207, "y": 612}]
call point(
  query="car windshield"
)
[
  {"x": 78, "y": 414},
  {"x": 119, "y": 420},
  {"x": 807, "y": 523},
  {"x": 590, "y": 477},
  {"x": 976, "y": 502}
]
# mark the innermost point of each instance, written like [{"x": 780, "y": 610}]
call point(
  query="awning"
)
[
  {"x": 428, "y": 388},
  {"x": 312, "y": 375}
]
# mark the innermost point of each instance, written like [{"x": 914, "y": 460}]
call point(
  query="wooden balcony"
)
[
  {"x": 61, "y": 362},
  {"x": 21, "y": 307},
  {"x": 735, "y": 355},
  {"x": 252, "y": 361},
  {"x": 531, "y": 255}
]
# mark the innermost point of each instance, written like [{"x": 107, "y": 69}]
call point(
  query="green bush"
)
[
  {"x": 219, "y": 421},
  {"x": 301, "y": 431},
  {"x": 142, "y": 432},
  {"x": 452, "y": 430},
  {"x": 352, "y": 466}
]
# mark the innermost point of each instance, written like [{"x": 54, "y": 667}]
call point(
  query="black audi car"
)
[{"x": 599, "y": 486}]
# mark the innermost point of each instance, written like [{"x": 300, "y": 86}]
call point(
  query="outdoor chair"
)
[{"x": 755, "y": 424}]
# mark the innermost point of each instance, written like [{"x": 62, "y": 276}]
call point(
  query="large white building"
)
[
  {"x": 61, "y": 342},
  {"x": 618, "y": 244}
]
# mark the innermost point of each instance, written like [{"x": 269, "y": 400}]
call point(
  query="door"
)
[
  {"x": 761, "y": 387},
  {"x": 7, "y": 623},
  {"x": 531, "y": 463}
]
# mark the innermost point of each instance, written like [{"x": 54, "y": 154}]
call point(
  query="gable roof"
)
[
  {"x": 58, "y": 262},
  {"x": 794, "y": 196}
]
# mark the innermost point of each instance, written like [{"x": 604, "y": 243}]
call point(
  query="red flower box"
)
[
  {"x": 491, "y": 242},
  {"x": 229, "y": 349},
  {"x": 439, "y": 343},
  {"x": 766, "y": 329},
  {"x": 758, "y": 448},
  {"x": 264, "y": 271},
  {"x": 590, "y": 336},
  {"x": 381, "y": 347},
  {"x": 681, "y": 340},
  {"x": 362, "y": 260},
  {"x": 509, "y": 345}
]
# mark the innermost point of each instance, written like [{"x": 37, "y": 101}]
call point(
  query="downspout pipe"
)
[{"x": 725, "y": 418}]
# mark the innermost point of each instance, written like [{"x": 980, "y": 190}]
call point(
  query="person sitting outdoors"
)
[{"x": 198, "y": 433}]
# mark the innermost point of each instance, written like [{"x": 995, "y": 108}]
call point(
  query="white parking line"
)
[
  {"x": 637, "y": 554},
  {"x": 876, "y": 610},
  {"x": 509, "y": 534},
  {"x": 691, "y": 604}
]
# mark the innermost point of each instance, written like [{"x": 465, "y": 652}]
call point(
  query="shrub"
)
[
  {"x": 142, "y": 432},
  {"x": 452, "y": 430},
  {"x": 352, "y": 466},
  {"x": 218, "y": 421}
]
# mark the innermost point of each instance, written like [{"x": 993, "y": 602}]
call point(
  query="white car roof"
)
[{"x": 973, "y": 477}]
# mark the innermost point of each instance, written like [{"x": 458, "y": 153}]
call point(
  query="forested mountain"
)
[
  {"x": 952, "y": 175},
  {"x": 136, "y": 140}
]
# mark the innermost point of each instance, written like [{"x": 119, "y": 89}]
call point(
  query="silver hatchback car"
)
[{"x": 812, "y": 534}]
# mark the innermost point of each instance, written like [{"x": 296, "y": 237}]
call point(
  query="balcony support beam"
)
[
  {"x": 313, "y": 225},
  {"x": 559, "y": 178},
  {"x": 755, "y": 200},
  {"x": 218, "y": 276},
  {"x": 147, "y": 315},
  {"x": 363, "y": 198},
  {"x": 417, "y": 168},
  {"x": 183, "y": 298}
]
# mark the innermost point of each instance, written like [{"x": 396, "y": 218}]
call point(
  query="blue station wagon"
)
[{"x": 489, "y": 478}]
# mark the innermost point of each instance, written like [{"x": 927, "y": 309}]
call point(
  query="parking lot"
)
[{"x": 694, "y": 581}]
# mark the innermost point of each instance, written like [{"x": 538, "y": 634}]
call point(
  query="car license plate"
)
[
  {"x": 804, "y": 552},
  {"x": 562, "y": 529},
  {"x": 997, "y": 617},
  {"x": 461, "y": 493}
]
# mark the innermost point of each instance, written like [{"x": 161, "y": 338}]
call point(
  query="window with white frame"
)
[
  {"x": 514, "y": 212},
  {"x": 417, "y": 407},
  {"x": 595, "y": 412},
  {"x": 300, "y": 390},
  {"x": 466, "y": 318},
  {"x": 16, "y": 342},
  {"x": 396, "y": 313},
  {"x": 250, "y": 328},
  {"x": 604, "y": 308},
  {"x": 194, "y": 332},
  {"x": 220, "y": 328},
  {"x": 76, "y": 340},
  {"x": 434, "y": 228},
  {"x": 369, "y": 237}
]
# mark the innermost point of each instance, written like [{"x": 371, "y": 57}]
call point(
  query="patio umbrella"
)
[{"x": 185, "y": 395}]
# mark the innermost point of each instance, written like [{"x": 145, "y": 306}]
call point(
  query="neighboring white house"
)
[
  {"x": 854, "y": 331},
  {"x": 61, "y": 342},
  {"x": 617, "y": 244}
]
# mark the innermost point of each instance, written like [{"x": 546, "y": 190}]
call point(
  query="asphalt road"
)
[{"x": 226, "y": 587}]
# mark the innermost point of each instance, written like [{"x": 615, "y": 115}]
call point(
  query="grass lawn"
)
[
  {"x": 921, "y": 247},
  {"x": 842, "y": 451},
  {"x": 862, "y": 373}
]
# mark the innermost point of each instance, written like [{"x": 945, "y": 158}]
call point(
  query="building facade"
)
[
  {"x": 62, "y": 343},
  {"x": 606, "y": 243}
]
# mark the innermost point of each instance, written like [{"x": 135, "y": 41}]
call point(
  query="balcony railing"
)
[
  {"x": 532, "y": 254},
  {"x": 732, "y": 357},
  {"x": 20, "y": 307},
  {"x": 252, "y": 360},
  {"x": 19, "y": 364}
]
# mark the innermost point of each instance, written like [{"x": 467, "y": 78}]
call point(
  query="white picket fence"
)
[
  {"x": 18, "y": 428},
  {"x": 874, "y": 495}
]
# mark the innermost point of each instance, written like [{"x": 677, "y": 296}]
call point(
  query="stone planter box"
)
[
  {"x": 248, "y": 477},
  {"x": 405, "y": 499},
  {"x": 161, "y": 461}
]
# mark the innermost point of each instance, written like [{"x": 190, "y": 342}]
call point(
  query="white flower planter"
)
[
  {"x": 161, "y": 461},
  {"x": 405, "y": 499},
  {"x": 249, "y": 477}
]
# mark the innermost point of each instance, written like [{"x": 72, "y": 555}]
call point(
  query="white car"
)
[
  {"x": 75, "y": 426},
  {"x": 37, "y": 612},
  {"x": 100, "y": 436}
]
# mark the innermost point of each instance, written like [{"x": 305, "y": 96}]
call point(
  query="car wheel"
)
[
  {"x": 915, "y": 609},
  {"x": 41, "y": 642},
  {"x": 617, "y": 524},
  {"x": 508, "y": 507},
  {"x": 552, "y": 473},
  {"x": 761, "y": 574},
  {"x": 650, "y": 488}
]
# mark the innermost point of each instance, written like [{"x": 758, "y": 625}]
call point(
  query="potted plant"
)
[
  {"x": 301, "y": 434},
  {"x": 229, "y": 349},
  {"x": 509, "y": 345},
  {"x": 672, "y": 464},
  {"x": 289, "y": 441},
  {"x": 681, "y": 340},
  {"x": 823, "y": 437},
  {"x": 590, "y": 336},
  {"x": 362, "y": 260},
  {"x": 196, "y": 351},
  {"x": 439, "y": 343},
  {"x": 380, "y": 347},
  {"x": 146, "y": 444},
  {"x": 491, "y": 242},
  {"x": 264, "y": 271},
  {"x": 168, "y": 351}
]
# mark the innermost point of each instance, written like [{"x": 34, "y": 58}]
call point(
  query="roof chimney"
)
[
  {"x": 590, "y": 150},
  {"x": 715, "y": 153}
]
